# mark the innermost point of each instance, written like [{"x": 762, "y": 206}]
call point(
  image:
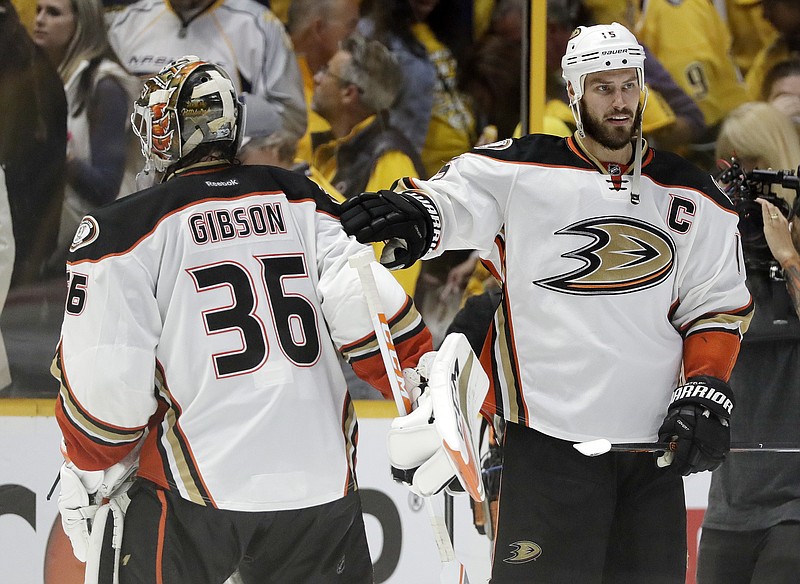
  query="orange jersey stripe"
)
[{"x": 710, "y": 353}]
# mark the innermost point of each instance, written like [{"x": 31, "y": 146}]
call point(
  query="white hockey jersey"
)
[
  {"x": 205, "y": 313},
  {"x": 241, "y": 36},
  {"x": 604, "y": 301}
]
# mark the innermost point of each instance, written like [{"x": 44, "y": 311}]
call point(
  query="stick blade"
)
[{"x": 593, "y": 447}]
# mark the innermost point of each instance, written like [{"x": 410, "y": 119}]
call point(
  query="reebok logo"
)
[{"x": 222, "y": 183}]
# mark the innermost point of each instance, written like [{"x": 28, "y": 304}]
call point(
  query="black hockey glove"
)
[
  {"x": 410, "y": 221},
  {"x": 698, "y": 422}
]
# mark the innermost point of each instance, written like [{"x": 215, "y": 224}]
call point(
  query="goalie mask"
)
[{"x": 188, "y": 103}]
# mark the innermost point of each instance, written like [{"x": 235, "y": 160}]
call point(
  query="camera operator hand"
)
[{"x": 777, "y": 234}]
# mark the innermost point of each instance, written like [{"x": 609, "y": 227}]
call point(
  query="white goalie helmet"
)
[{"x": 188, "y": 103}]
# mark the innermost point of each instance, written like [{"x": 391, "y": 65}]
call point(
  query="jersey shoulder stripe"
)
[
  {"x": 120, "y": 225},
  {"x": 541, "y": 149},
  {"x": 669, "y": 169}
]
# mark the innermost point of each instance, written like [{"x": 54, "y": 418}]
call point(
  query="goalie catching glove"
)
[
  {"x": 697, "y": 422},
  {"x": 408, "y": 221},
  {"x": 434, "y": 447}
]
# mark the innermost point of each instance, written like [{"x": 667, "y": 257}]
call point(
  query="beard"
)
[{"x": 611, "y": 137}]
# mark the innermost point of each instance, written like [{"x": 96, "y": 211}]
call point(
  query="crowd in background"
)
[{"x": 352, "y": 93}]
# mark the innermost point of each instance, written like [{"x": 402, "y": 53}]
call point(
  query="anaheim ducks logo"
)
[
  {"x": 499, "y": 145},
  {"x": 87, "y": 232},
  {"x": 523, "y": 551},
  {"x": 625, "y": 255}
]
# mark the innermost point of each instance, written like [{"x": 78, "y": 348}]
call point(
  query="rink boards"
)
[{"x": 401, "y": 541}]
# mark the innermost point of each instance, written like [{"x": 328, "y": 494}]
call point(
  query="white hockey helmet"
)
[
  {"x": 188, "y": 103},
  {"x": 603, "y": 47}
]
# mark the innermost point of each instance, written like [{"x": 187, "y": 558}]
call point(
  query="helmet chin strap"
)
[
  {"x": 639, "y": 145},
  {"x": 576, "y": 113},
  {"x": 574, "y": 107}
]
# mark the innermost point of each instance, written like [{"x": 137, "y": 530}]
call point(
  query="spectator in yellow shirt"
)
[
  {"x": 430, "y": 39},
  {"x": 693, "y": 43},
  {"x": 750, "y": 31},
  {"x": 362, "y": 152},
  {"x": 784, "y": 15},
  {"x": 316, "y": 28}
]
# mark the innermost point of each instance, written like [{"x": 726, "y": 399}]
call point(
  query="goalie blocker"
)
[{"x": 438, "y": 441}]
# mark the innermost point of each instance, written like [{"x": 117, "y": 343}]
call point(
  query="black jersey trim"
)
[{"x": 125, "y": 223}]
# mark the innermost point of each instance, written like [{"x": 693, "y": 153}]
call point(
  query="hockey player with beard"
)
[
  {"x": 622, "y": 312},
  {"x": 202, "y": 330}
]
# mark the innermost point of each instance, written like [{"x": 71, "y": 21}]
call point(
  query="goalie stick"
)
[
  {"x": 108, "y": 523},
  {"x": 453, "y": 571},
  {"x": 602, "y": 446}
]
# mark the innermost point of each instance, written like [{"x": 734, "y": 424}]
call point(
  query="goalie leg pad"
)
[
  {"x": 435, "y": 442},
  {"x": 458, "y": 385}
]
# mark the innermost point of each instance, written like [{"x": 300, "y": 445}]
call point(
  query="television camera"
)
[{"x": 743, "y": 188}]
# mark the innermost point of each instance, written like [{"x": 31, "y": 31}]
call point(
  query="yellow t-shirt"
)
[
  {"x": 26, "y": 9},
  {"x": 452, "y": 127},
  {"x": 750, "y": 31},
  {"x": 768, "y": 57},
  {"x": 280, "y": 8},
  {"x": 626, "y": 12},
  {"x": 692, "y": 42},
  {"x": 555, "y": 127}
]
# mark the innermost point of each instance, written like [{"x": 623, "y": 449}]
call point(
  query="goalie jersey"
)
[
  {"x": 604, "y": 301},
  {"x": 205, "y": 316}
]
